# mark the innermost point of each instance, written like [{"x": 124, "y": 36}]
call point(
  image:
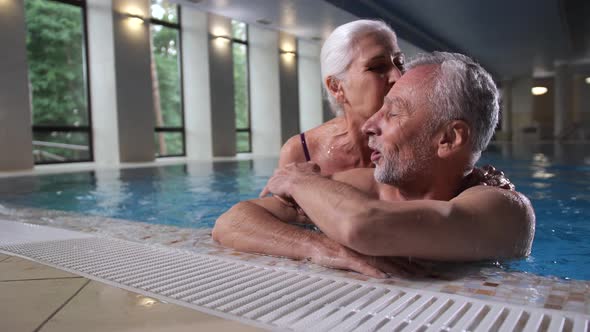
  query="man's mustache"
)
[{"x": 373, "y": 145}]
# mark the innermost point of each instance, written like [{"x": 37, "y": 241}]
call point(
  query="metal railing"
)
[{"x": 44, "y": 155}]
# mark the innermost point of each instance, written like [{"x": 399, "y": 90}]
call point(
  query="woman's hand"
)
[{"x": 488, "y": 175}]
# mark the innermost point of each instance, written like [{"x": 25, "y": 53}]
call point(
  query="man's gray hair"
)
[{"x": 462, "y": 90}]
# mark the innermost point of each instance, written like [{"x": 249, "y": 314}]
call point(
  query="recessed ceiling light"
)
[
  {"x": 587, "y": 80},
  {"x": 539, "y": 90},
  {"x": 263, "y": 21}
]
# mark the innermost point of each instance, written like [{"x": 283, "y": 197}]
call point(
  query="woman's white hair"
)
[
  {"x": 462, "y": 90},
  {"x": 339, "y": 49}
]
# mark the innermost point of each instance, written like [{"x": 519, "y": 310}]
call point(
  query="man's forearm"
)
[
  {"x": 251, "y": 228},
  {"x": 333, "y": 206}
]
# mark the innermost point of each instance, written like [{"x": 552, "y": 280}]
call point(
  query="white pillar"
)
[
  {"x": 310, "y": 85},
  {"x": 16, "y": 141},
  {"x": 265, "y": 105},
  {"x": 196, "y": 86},
  {"x": 103, "y": 88}
]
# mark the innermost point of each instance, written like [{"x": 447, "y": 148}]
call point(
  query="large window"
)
[
  {"x": 241, "y": 90},
  {"x": 56, "y": 52},
  {"x": 167, "y": 79}
]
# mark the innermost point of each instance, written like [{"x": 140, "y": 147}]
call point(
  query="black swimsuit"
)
[{"x": 304, "y": 145}]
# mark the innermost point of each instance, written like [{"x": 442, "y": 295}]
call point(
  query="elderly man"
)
[{"x": 436, "y": 121}]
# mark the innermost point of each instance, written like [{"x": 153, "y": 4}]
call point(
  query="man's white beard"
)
[{"x": 397, "y": 170}]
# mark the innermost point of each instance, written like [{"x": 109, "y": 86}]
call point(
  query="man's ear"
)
[
  {"x": 335, "y": 88},
  {"x": 454, "y": 137}
]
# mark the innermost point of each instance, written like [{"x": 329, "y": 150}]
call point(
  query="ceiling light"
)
[
  {"x": 221, "y": 41},
  {"x": 587, "y": 80},
  {"x": 136, "y": 20},
  {"x": 539, "y": 90},
  {"x": 288, "y": 56}
]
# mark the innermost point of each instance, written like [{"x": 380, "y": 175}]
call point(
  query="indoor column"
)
[
  {"x": 265, "y": 104},
  {"x": 16, "y": 141}
]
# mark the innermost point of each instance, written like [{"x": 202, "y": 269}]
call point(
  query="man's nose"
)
[{"x": 370, "y": 127}]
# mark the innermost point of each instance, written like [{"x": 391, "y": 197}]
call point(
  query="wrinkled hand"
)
[
  {"x": 334, "y": 255},
  {"x": 488, "y": 175},
  {"x": 280, "y": 183}
]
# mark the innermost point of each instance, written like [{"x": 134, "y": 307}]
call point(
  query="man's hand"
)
[
  {"x": 283, "y": 178},
  {"x": 331, "y": 254}
]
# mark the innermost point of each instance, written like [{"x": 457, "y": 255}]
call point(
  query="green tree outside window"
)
[{"x": 57, "y": 78}]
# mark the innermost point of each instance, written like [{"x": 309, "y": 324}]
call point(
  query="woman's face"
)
[{"x": 376, "y": 66}]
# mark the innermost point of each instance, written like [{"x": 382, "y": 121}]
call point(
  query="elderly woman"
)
[{"x": 360, "y": 62}]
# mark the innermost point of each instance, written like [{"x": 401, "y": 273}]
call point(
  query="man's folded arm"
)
[
  {"x": 261, "y": 226},
  {"x": 483, "y": 224}
]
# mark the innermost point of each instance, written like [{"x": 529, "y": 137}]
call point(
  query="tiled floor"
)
[{"x": 35, "y": 297}]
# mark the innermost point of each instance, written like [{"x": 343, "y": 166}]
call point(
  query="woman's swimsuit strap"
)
[{"x": 304, "y": 145}]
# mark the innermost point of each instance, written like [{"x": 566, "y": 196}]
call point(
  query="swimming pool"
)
[{"x": 556, "y": 177}]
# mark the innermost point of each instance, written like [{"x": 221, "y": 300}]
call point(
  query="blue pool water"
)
[{"x": 555, "y": 177}]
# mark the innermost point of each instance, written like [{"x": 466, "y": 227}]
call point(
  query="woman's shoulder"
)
[
  {"x": 315, "y": 138},
  {"x": 292, "y": 151}
]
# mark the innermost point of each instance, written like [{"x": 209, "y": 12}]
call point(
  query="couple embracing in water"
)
[{"x": 393, "y": 174}]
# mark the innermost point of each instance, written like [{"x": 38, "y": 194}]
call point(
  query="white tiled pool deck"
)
[{"x": 36, "y": 297}]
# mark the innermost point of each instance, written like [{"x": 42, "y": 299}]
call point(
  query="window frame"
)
[
  {"x": 249, "y": 129},
  {"x": 69, "y": 128},
  {"x": 166, "y": 129}
]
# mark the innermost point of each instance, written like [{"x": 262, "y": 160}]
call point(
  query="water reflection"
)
[
  {"x": 110, "y": 192},
  {"x": 556, "y": 178},
  {"x": 554, "y": 152}
]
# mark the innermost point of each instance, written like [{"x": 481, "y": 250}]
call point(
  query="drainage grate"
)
[{"x": 271, "y": 297}]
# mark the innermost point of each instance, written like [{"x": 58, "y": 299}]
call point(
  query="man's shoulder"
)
[
  {"x": 496, "y": 200},
  {"x": 481, "y": 191},
  {"x": 506, "y": 212}
]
